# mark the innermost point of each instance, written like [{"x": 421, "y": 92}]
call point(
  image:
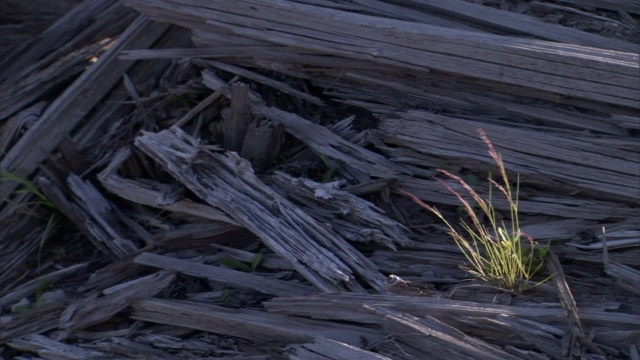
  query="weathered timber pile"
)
[{"x": 223, "y": 179}]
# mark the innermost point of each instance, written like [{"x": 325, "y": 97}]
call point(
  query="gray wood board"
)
[
  {"x": 544, "y": 157},
  {"x": 226, "y": 181},
  {"x": 563, "y": 69}
]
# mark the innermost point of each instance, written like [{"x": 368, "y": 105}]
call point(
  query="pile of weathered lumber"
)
[{"x": 193, "y": 178}]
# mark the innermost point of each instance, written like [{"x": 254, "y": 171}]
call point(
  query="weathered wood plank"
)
[
  {"x": 252, "y": 325},
  {"x": 13, "y": 126},
  {"x": 92, "y": 214},
  {"x": 16, "y": 95},
  {"x": 435, "y": 339},
  {"x": 226, "y": 181},
  {"x": 29, "y": 288},
  {"x": 65, "y": 28},
  {"x": 18, "y": 240},
  {"x": 228, "y": 277},
  {"x": 626, "y": 277},
  {"x": 327, "y": 349},
  {"x": 287, "y": 89},
  {"x": 565, "y": 206},
  {"x": 520, "y": 24},
  {"x": 149, "y": 194},
  {"x": 93, "y": 309},
  {"x": 355, "y": 161},
  {"x": 352, "y": 217},
  {"x": 349, "y": 307},
  {"x": 575, "y": 163},
  {"x": 568, "y": 70},
  {"x": 77, "y": 100},
  {"x": 625, "y": 5},
  {"x": 30, "y": 322}
]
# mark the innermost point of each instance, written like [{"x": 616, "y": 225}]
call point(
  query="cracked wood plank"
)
[
  {"x": 227, "y": 182},
  {"x": 148, "y": 193},
  {"x": 520, "y": 24},
  {"x": 92, "y": 213},
  {"x": 77, "y": 100},
  {"x": 435, "y": 339},
  {"x": 540, "y": 66},
  {"x": 227, "y": 277},
  {"x": 352, "y": 217},
  {"x": 549, "y": 159},
  {"x": 97, "y": 307},
  {"x": 258, "y": 326}
]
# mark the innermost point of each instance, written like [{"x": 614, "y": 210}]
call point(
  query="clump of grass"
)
[
  {"x": 498, "y": 253},
  {"x": 55, "y": 218}
]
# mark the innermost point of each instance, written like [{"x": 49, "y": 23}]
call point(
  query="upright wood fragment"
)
[
  {"x": 237, "y": 123},
  {"x": 228, "y": 182},
  {"x": 576, "y": 342},
  {"x": 262, "y": 143}
]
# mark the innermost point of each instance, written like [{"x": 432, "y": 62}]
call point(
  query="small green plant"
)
[
  {"x": 499, "y": 254},
  {"x": 241, "y": 265},
  {"x": 29, "y": 187},
  {"x": 331, "y": 170},
  {"x": 225, "y": 295}
]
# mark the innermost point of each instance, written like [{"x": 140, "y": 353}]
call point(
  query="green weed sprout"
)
[
  {"x": 499, "y": 254},
  {"x": 28, "y": 187}
]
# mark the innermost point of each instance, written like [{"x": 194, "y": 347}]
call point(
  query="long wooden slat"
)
[
  {"x": 568, "y": 70},
  {"x": 546, "y": 158},
  {"x": 349, "y": 307},
  {"x": 228, "y": 277},
  {"x": 258, "y": 326},
  {"x": 13, "y": 64},
  {"x": 615, "y": 5},
  {"x": 520, "y": 24},
  {"x": 70, "y": 107}
]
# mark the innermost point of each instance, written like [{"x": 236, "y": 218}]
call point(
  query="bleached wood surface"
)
[
  {"x": 226, "y": 181},
  {"x": 558, "y": 69},
  {"x": 539, "y": 157}
]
